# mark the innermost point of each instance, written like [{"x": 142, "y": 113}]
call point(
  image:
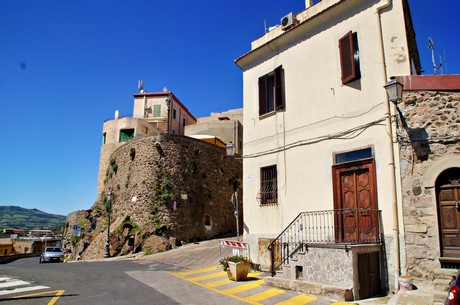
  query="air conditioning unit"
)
[
  {"x": 147, "y": 107},
  {"x": 288, "y": 21}
]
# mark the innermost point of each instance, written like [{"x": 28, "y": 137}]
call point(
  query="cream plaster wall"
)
[{"x": 318, "y": 105}]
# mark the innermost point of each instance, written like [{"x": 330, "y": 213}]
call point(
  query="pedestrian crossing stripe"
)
[{"x": 204, "y": 278}]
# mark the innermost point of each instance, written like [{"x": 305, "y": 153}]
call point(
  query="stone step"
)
[
  {"x": 441, "y": 285},
  {"x": 443, "y": 273}
]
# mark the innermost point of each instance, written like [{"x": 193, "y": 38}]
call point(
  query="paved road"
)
[{"x": 188, "y": 275}]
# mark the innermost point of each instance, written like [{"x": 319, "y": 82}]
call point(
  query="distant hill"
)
[{"x": 29, "y": 219}]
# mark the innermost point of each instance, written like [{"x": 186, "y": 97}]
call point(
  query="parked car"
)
[
  {"x": 452, "y": 297},
  {"x": 52, "y": 254}
]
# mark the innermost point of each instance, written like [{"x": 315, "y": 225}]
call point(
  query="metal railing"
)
[{"x": 327, "y": 227}]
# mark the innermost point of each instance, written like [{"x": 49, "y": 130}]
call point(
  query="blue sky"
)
[{"x": 66, "y": 66}]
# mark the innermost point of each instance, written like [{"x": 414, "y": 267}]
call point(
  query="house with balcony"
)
[{"x": 322, "y": 189}]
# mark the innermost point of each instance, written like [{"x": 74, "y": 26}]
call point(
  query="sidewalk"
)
[{"x": 203, "y": 257}]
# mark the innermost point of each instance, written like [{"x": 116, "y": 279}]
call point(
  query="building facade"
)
[
  {"x": 428, "y": 137},
  {"x": 321, "y": 190}
]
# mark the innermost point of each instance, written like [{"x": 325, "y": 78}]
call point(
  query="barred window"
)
[{"x": 268, "y": 185}]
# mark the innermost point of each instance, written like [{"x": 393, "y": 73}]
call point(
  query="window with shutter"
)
[
  {"x": 349, "y": 57},
  {"x": 156, "y": 110},
  {"x": 271, "y": 91}
]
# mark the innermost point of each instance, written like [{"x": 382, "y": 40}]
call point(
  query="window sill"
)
[
  {"x": 268, "y": 204},
  {"x": 267, "y": 115}
]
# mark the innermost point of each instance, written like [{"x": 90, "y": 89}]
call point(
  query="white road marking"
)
[
  {"x": 13, "y": 283},
  {"x": 10, "y": 285},
  {"x": 23, "y": 289}
]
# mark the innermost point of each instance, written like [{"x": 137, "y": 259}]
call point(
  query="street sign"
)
[{"x": 76, "y": 230}]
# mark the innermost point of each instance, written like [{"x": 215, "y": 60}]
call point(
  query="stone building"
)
[
  {"x": 225, "y": 126},
  {"x": 153, "y": 113},
  {"x": 428, "y": 133}
]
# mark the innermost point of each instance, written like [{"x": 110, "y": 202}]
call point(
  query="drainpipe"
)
[{"x": 394, "y": 196}]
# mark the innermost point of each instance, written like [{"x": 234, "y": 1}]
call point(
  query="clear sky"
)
[{"x": 66, "y": 66}]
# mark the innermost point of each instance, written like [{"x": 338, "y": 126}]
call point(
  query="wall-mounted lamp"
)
[
  {"x": 230, "y": 149},
  {"x": 394, "y": 90}
]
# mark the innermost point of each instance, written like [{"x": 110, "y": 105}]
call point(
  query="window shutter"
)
[
  {"x": 263, "y": 95},
  {"x": 279, "y": 88},
  {"x": 347, "y": 60}
]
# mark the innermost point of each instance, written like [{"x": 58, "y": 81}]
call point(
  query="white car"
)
[{"x": 52, "y": 254}]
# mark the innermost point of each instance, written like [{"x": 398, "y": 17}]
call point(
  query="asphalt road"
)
[{"x": 102, "y": 283}]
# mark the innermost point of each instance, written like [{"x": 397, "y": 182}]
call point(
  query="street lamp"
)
[
  {"x": 394, "y": 90},
  {"x": 230, "y": 148},
  {"x": 108, "y": 208}
]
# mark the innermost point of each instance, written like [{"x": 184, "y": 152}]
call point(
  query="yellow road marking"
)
[
  {"x": 264, "y": 295},
  {"x": 208, "y": 276},
  {"x": 215, "y": 290},
  {"x": 184, "y": 273},
  {"x": 219, "y": 283},
  {"x": 298, "y": 300},
  {"x": 56, "y": 298},
  {"x": 244, "y": 287},
  {"x": 57, "y": 295}
]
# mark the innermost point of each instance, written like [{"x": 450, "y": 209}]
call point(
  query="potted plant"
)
[{"x": 237, "y": 267}]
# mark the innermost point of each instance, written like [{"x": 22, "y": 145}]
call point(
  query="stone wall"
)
[
  {"x": 428, "y": 133},
  {"x": 166, "y": 190}
]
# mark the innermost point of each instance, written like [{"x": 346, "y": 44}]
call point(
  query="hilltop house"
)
[
  {"x": 322, "y": 189},
  {"x": 153, "y": 113}
]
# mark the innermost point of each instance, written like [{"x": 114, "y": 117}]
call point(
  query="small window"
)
[
  {"x": 271, "y": 91},
  {"x": 349, "y": 57},
  {"x": 353, "y": 155},
  {"x": 207, "y": 220},
  {"x": 183, "y": 122},
  {"x": 126, "y": 135},
  {"x": 156, "y": 110},
  {"x": 104, "y": 137},
  {"x": 174, "y": 113},
  {"x": 268, "y": 185}
]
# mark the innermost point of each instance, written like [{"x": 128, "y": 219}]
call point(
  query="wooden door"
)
[
  {"x": 368, "y": 275},
  {"x": 355, "y": 201},
  {"x": 449, "y": 207}
]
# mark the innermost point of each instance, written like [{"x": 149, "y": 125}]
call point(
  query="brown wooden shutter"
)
[
  {"x": 347, "y": 61},
  {"x": 263, "y": 95},
  {"x": 279, "y": 88}
]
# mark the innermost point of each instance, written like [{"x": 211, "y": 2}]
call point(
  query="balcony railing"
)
[{"x": 327, "y": 228}]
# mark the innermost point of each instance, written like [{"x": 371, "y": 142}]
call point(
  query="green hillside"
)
[{"x": 29, "y": 219}]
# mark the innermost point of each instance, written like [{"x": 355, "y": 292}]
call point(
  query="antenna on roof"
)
[
  {"x": 436, "y": 67},
  {"x": 140, "y": 86},
  {"x": 265, "y": 26}
]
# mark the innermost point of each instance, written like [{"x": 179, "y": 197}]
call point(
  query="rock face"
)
[{"x": 165, "y": 190}]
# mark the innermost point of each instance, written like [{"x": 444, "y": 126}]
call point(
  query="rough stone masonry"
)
[{"x": 166, "y": 190}]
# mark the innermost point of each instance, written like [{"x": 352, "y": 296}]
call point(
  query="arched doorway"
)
[{"x": 448, "y": 204}]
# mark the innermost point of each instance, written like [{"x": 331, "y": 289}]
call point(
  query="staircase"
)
[{"x": 440, "y": 284}]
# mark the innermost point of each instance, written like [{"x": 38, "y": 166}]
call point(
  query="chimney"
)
[
  {"x": 117, "y": 114},
  {"x": 308, "y": 3}
]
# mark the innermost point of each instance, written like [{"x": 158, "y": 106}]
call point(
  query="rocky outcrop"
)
[{"x": 165, "y": 190}]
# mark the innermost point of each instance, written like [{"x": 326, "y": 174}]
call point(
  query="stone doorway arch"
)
[{"x": 447, "y": 190}]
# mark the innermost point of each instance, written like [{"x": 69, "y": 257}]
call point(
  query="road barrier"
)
[{"x": 230, "y": 247}]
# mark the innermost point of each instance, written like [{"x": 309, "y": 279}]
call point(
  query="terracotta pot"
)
[{"x": 238, "y": 271}]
